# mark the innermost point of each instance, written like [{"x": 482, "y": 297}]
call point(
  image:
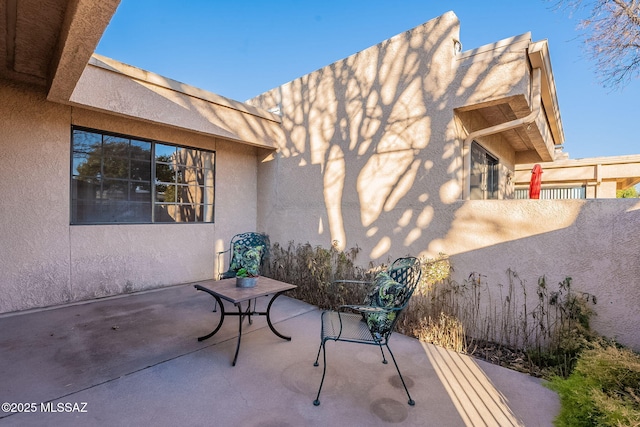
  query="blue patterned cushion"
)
[
  {"x": 236, "y": 257},
  {"x": 387, "y": 293},
  {"x": 251, "y": 260},
  {"x": 244, "y": 256}
]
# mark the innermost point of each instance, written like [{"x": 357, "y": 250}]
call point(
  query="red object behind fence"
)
[{"x": 536, "y": 182}]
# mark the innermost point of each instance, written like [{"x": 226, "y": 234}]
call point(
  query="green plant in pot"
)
[{"x": 249, "y": 263}]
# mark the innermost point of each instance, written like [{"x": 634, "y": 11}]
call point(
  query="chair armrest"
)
[
  {"x": 355, "y": 282},
  {"x": 367, "y": 309}
]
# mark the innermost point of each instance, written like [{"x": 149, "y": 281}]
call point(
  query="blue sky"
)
[{"x": 239, "y": 49}]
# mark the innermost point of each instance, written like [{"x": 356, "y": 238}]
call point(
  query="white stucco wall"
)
[{"x": 45, "y": 261}]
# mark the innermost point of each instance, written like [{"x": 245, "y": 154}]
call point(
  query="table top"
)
[{"x": 227, "y": 289}]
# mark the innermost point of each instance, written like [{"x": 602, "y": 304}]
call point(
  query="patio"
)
[{"x": 135, "y": 360}]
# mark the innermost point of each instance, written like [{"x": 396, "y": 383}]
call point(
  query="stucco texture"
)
[
  {"x": 372, "y": 147},
  {"x": 372, "y": 158},
  {"x": 164, "y": 101},
  {"x": 46, "y": 262},
  {"x": 34, "y": 160},
  {"x": 358, "y": 151},
  {"x": 590, "y": 241}
]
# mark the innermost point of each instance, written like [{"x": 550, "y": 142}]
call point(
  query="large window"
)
[
  {"x": 121, "y": 179},
  {"x": 484, "y": 175}
]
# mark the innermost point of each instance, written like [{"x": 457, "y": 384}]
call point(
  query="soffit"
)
[
  {"x": 48, "y": 43},
  {"x": 522, "y": 139},
  {"x": 535, "y": 141}
]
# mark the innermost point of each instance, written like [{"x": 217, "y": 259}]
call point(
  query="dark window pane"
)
[
  {"x": 180, "y": 175},
  {"x": 165, "y": 173},
  {"x": 87, "y": 164},
  {"x": 140, "y": 170},
  {"x": 87, "y": 142},
  {"x": 483, "y": 178},
  {"x": 163, "y": 213},
  {"x": 125, "y": 211},
  {"x": 207, "y": 160},
  {"x": 174, "y": 213},
  {"x": 184, "y": 213},
  {"x": 114, "y": 146},
  {"x": 115, "y": 190},
  {"x": 84, "y": 189},
  {"x": 116, "y": 167},
  {"x": 184, "y": 195},
  {"x": 166, "y": 193},
  {"x": 140, "y": 192},
  {"x": 140, "y": 150}
]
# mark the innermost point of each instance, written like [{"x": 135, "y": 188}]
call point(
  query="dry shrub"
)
[{"x": 315, "y": 269}]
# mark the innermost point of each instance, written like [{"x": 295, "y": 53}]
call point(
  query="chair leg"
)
[
  {"x": 324, "y": 370},
  {"x": 318, "y": 356},
  {"x": 384, "y": 359},
  {"x": 411, "y": 401}
]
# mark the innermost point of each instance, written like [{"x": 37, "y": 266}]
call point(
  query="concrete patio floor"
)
[{"x": 135, "y": 360}]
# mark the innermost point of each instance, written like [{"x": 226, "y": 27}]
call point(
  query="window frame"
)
[
  {"x": 203, "y": 212},
  {"x": 491, "y": 172}
]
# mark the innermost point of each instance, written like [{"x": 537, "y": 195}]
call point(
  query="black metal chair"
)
[
  {"x": 238, "y": 245},
  {"x": 373, "y": 322}
]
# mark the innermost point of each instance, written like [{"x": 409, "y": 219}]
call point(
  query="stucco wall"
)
[
  {"x": 372, "y": 147},
  {"x": 45, "y": 261},
  {"x": 593, "y": 242},
  {"x": 371, "y": 158},
  {"x": 34, "y": 183}
]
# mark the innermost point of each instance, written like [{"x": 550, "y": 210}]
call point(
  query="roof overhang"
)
[
  {"x": 539, "y": 58},
  {"x": 48, "y": 43},
  {"x": 534, "y": 140},
  {"x": 112, "y": 87}
]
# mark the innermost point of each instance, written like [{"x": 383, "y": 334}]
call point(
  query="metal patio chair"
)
[
  {"x": 239, "y": 244},
  {"x": 373, "y": 322}
]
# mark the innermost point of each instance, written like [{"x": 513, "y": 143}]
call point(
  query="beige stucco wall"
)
[
  {"x": 368, "y": 154},
  {"x": 34, "y": 183},
  {"x": 591, "y": 241},
  {"x": 45, "y": 261},
  {"x": 372, "y": 148},
  {"x": 371, "y": 158}
]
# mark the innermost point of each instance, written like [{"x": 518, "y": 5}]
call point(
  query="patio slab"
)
[{"x": 136, "y": 360}]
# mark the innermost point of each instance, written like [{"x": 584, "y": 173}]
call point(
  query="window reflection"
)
[{"x": 118, "y": 179}]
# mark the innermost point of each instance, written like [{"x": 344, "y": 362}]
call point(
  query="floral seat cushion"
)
[{"x": 386, "y": 293}]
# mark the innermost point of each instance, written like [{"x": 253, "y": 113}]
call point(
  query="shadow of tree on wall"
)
[{"x": 374, "y": 140}]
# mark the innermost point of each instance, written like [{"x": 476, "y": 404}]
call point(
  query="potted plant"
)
[{"x": 247, "y": 274}]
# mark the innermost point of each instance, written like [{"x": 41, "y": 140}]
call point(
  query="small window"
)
[
  {"x": 122, "y": 179},
  {"x": 484, "y": 176}
]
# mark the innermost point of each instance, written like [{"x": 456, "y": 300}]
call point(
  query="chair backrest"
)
[
  {"x": 406, "y": 271},
  {"x": 396, "y": 293},
  {"x": 250, "y": 239}
]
